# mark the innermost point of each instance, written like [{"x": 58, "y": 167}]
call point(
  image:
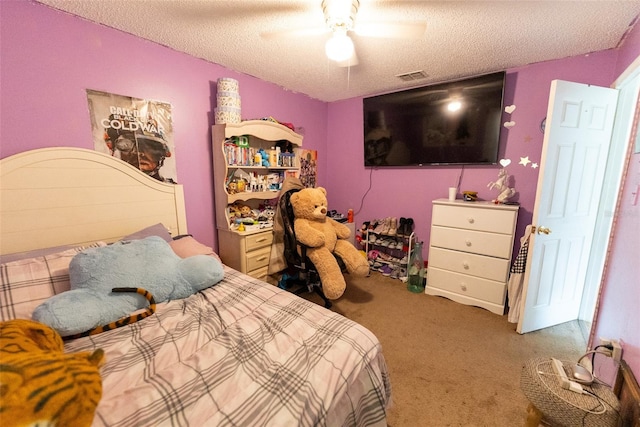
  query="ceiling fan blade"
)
[
  {"x": 351, "y": 62},
  {"x": 406, "y": 30},
  {"x": 294, "y": 32}
]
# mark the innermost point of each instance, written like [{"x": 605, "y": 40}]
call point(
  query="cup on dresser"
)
[{"x": 452, "y": 193}]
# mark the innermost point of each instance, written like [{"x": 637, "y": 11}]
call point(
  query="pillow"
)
[
  {"x": 186, "y": 246},
  {"x": 154, "y": 230},
  {"x": 148, "y": 263},
  {"x": 35, "y": 253},
  {"x": 27, "y": 283}
]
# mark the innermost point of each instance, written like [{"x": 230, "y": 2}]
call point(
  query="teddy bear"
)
[{"x": 325, "y": 237}]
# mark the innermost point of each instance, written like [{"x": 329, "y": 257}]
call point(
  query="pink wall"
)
[
  {"x": 409, "y": 192},
  {"x": 50, "y": 58}
]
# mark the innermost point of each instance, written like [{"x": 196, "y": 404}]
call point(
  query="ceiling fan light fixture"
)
[
  {"x": 339, "y": 47},
  {"x": 340, "y": 13}
]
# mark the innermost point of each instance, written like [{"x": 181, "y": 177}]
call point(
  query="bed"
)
[{"x": 242, "y": 352}]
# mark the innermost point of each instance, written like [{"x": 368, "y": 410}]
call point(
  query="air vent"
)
[{"x": 413, "y": 75}]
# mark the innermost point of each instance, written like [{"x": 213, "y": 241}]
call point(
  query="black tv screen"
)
[{"x": 454, "y": 123}]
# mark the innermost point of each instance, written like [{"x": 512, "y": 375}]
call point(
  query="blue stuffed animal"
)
[
  {"x": 148, "y": 263},
  {"x": 265, "y": 157}
]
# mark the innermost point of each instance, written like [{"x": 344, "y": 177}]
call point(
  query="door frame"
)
[{"x": 617, "y": 166}]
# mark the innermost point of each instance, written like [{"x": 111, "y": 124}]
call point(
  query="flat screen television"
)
[{"x": 454, "y": 123}]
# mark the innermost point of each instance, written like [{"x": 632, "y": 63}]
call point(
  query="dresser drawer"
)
[
  {"x": 258, "y": 258},
  {"x": 258, "y": 240},
  {"x": 469, "y": 286},
  {"x": 477, "y": 242},
  {"x": 473, "y": 218},
  {"x": 474, "y": 265},
  {"x": 262, "y": 273}
]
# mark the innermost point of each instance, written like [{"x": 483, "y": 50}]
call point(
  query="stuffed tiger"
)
[
  {"x": 125, "y": 320},
  {"x": 39, "y": 383}
]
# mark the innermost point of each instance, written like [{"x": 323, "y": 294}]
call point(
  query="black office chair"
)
[{"x": 301, "y": 275}]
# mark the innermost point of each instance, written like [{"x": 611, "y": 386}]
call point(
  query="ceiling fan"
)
[{"x": 340, "y": 19}]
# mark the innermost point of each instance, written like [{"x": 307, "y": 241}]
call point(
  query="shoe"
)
[
  {"x": 385, "y": 270},
  {"x": 385, "y": 257},
  {"x": 386, "y": 226},
  {"x": 393, "y": 226},
  {"x": 409, "y": 227},
  {"x": 401, "y": 226},
  {"x": 379, "y": 226}
]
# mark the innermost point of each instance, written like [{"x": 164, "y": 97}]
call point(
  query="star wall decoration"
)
[
  {"x": 524, "y": 161},
  {"x": 534, "y": 165}
]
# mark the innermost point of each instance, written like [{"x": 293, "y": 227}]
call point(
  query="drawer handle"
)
[
  {"x": 471, "y": 220},
  {"x": 463, "y": 287},
  {"x": 468, "y": 242},
  {"x": 465, "y": 265},
  {"x": 261, "y": 258},
  {"x": 261, "y": 240}
]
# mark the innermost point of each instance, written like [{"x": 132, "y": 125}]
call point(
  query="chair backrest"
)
[{"x": 291, "y": 253}]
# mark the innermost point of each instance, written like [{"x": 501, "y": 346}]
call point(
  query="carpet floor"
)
[{"x": 450, "y": 364}]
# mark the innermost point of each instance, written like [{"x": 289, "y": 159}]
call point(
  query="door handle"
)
[{"x": 541, "y": 229}]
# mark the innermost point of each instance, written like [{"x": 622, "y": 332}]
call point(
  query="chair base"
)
[{"x": 298, "y": 284}]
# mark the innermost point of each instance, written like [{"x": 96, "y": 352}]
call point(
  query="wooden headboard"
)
[{"x": 72, "y": 196}]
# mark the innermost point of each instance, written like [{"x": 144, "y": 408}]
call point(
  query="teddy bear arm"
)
[
  {"x": 342, "y": 231},
  {"x": 307, "y": 235}
]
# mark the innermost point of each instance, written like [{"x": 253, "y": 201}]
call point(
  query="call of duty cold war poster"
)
[{"x": 137, "y": 131}]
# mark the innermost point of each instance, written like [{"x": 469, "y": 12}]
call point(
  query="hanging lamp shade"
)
[{"x": 339, "y": 47}]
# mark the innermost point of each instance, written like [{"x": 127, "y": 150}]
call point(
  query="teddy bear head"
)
[{"x": 310, "y": 203}]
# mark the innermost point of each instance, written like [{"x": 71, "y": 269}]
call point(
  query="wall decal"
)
[
  {"x": 509, "y": 124},
  {"x": 524, "y": 161},
  {"x": 510, "y": 109},
  {"x": 505, "y": 162}
]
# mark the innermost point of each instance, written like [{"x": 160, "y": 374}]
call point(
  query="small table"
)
[{"x": 548, "y": 400}]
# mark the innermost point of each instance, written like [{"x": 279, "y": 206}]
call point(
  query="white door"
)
[{"x": 574, "y": 155}]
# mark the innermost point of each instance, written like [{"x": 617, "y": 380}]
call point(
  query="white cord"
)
[{"x": 591, "y": 394}]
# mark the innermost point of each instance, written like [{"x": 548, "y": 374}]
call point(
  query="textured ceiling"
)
[{"x": 463, "y": 38}]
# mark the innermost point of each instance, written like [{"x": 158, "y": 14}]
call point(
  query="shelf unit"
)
[
  {"x": 247, "y": 251},
  {"x": 470, "y": 252},
  {"x": 399, "y": 256}
]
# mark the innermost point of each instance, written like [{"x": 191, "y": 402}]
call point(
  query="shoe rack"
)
[{"x": 388, "y": 244}]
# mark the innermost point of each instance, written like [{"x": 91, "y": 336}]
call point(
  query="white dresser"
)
[{"x": 470, "y": 252}]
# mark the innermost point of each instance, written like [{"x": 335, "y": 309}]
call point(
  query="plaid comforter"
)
[{"x": 242, "y": 353}]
